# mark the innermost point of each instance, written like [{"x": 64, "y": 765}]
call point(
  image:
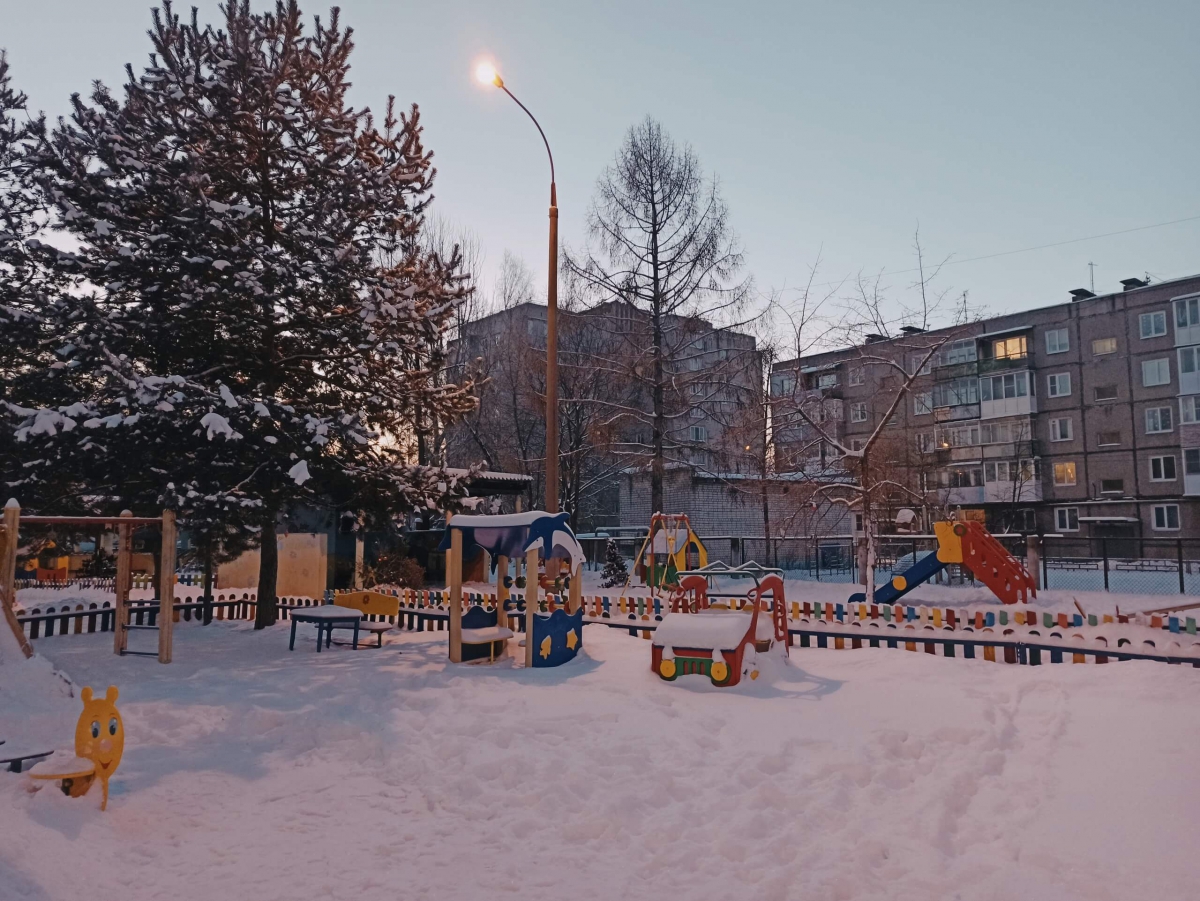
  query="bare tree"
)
[
  {"x": 874, "y": 474},
  {"x": 660, "y": 243}
]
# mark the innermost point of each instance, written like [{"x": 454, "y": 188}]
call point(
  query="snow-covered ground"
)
[{"x": 251, "y": 772}]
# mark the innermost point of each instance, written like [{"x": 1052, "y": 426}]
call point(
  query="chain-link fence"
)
[{"x": 1124, "y": 565}]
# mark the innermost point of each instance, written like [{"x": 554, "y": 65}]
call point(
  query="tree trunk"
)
[
  {"x": 660, "y": 421},
  {"x": 267, "y": 610},
  {"x": 208, "y": 586}
]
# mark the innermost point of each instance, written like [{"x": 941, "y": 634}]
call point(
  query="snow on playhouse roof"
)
[
  {"x": 710, "y": 630},
  {"x": 513, "y": 534}
]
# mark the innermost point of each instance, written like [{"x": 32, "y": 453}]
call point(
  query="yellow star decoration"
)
[
  {"x": 572, "y": 640},
  {"x": 545, "y": 651}
]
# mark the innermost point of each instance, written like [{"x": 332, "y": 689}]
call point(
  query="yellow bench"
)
[{"x": 371, "y": 603}]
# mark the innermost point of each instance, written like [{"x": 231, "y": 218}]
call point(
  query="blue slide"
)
[{"x": 921, "y": 571}]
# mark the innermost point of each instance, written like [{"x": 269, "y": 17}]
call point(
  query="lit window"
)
[
  {"x": 1057, "y": 341},
  {"x": 1064, "y": 473},
  {"x": 1153, "y": 325},
  {"x": 1009, "y": 348},
  {"x": 1103, "y": 346},
  {"x": 1162, "y": 469}
]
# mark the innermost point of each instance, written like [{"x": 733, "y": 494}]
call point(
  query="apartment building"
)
[
  {"x": 713, "y": 393},
  {"x": 1081, "y": 418}
]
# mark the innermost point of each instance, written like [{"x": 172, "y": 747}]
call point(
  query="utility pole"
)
[{"x": 1092, "y": 274}]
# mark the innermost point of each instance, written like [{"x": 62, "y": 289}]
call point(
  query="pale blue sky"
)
[{"x": 834, "y": 125}]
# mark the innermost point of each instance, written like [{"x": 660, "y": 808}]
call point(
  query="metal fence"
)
[{"x": 1124, "y": 565}]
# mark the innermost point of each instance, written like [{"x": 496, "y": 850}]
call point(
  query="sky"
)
[{"x": 835, "y": 129}]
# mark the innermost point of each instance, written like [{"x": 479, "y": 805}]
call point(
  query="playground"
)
[
  {"x": 718, "y": 732},
  {"x": 251, "y": 772}
]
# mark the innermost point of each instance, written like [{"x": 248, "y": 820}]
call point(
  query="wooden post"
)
[
  {"x": 1033, "y": 554},
  {"x": 124, "y": 575},
  {"x": 502, "y": 592},
  {"x": 531, "y": 601},
  {"x": 575, "y": 597},
  {"x": 8, "y": 573},
  {"x": 454, "y": 576},
  {"x": 166, "y": 609}
]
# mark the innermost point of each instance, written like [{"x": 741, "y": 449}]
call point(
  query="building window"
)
[
  {"x": 1156, "y": 372},
  {"x": 1189, "y": 408},
  {"x": 922, "y": 403},
  {"x": 925, "y": 443},
  {"x": 1066, "y": 519},
  {"x": 954, "y": 352},
  {"x": 857, "y": 444},
  {"x": 1109, "y": 439},
  {"x": 1102, "y": 346},
  {"x": 1009, "y": 348},
  {"x": 783, "y": 385},
  {"x": 965, "y": 436},
  {"x": 966, "y": 477},
  {"x": 1060, "y": 429},
  {"x": 1057, "y": 341},
  {"x": 1112, "y": 486},
  {"x": 858, "y": 412},
  {"x": 956, "y": 393},
  {"x": 1002, "y": 387},
  {"x": 698, "y": 433},
  {"x": 1191, "y": 461},
  {"x": 1153, "y": 325},
  {"x": 1064, "y": 474},
  {"x": 1166, "y": 517},
  {"x": 1187, "y": 312},
  {"x": 1004, "y": 432},
  {"x": 1059, "y": 384},
  {"x": 1162, "y": 469},
  {"x": 1105, "y": 392},
  {"x": 1158, "y": 419},
  {"x": 1189, "y": 360},
  {"x": 857, "y": 376},
  {"x": 827, "y": 381},
  {"x": 1010, "y": 471}
]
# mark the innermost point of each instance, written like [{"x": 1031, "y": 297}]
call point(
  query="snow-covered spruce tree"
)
[
  {"x": 31, "y": 375},
  {"x": 266, "y": 321},
  {"x": 615, "y": 572}
]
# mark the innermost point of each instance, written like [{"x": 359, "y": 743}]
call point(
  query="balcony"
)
[
  {"x": 967, "y": 454},
  {"x": 963, "y": 497},
  {"x": 1003, "y": 364},
  {"x": 955, "y": 413},
  {"x": 1013, "y": 450},
  {"x": 955, "y": 371},
  {"x": 1008, "y": 406},
  {"x": 1013, "y": 492}
]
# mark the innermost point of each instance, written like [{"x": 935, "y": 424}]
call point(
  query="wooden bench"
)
[
  {"x": 371, "y": 603},
  {"x": 480, "y": 628}
]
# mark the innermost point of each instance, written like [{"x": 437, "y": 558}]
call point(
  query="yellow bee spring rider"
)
[{"x": 99, "y": 744}]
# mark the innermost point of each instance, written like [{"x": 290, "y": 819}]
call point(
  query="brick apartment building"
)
[{"x": 1081, "y": 418}]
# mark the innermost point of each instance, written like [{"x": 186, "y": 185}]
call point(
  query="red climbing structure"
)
[{"x": 993, "y": 565}]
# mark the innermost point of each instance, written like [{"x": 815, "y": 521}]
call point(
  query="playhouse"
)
[
  {"x": 542, "y": 541},
  {"x": 722, "y": 618},
  {"x": 670, "y": 547}
]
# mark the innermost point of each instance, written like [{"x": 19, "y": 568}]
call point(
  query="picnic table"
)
[{"x": 325, "y": 618}]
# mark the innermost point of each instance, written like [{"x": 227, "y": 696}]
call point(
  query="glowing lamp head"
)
[{"x": 486, "y": 73}]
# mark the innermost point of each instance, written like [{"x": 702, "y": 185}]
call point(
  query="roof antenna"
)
[{"x": 1092, "y": 273}]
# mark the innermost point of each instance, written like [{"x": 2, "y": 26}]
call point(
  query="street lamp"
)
[{"x": 487, "y": 74}]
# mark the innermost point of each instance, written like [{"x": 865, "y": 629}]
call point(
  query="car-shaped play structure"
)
[{"x": 722, "y": 618}]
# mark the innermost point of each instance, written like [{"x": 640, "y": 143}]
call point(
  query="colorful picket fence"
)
[{"x": 1021, "y": 636}]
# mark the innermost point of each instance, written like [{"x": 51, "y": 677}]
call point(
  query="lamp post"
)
[{"x": 487, "y": 74}]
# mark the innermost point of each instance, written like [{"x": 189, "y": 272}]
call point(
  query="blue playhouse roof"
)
[{"x": 513, "y": 534}]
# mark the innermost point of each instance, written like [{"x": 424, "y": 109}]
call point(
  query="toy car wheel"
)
[
  {"x": 667, "y": 670},
  {"x": 719, "y": 673}
]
